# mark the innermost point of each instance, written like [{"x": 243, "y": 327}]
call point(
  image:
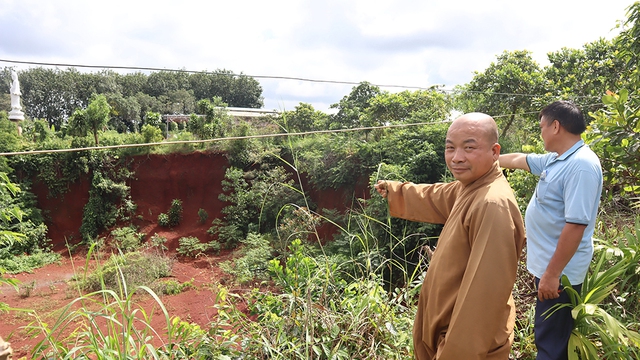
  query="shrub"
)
[
  {"x": 151, "y": 133},
  {"x": 159, "y": 242},
  {"x": 203, "y": 215},
  {"x": 191, "y": 246},
  {"x": 163, "y": 220},
  {"x": 135, "y": 268},
  {"x": 126, "y": 238},
  {"x": 256, "y": 254},
  {"x": 175, "y": 212},
  {"x": 173, "y": 287}
]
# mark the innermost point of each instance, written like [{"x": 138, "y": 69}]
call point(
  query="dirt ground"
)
[
  {"x": 49, "y": 289},
  {"x": 194, "y": 179}
]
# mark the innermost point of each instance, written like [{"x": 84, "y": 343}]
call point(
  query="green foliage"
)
[
  {"x": 515, "y": 86},
  {"x": 125, "y": 331},
  {"x": 352, "y": 106},
  {"x": 9, "y": 138},
  {"x": 241, "y": 152},
  {"x": 173, "y": 217},
  {"x": 22, "y": 228},
  {"x": 337, "y": 320},
  {"x": 628, "y": 45},
  {"x": 407, "y": 107},
  {"x": 298, "y": 272},
  {"x": 22, "y": 263},
  {"x": 154, "y": 119},
  {"x": 584, "y": 75},
  {"x": 523, "y": 182},
  {"x": 210, "y": 124},
  {"x": 8, "y": 214},
  {"x": 127, "y": 239},
  {"x": 151, "y": 133},
  {"x": 605, "y": 311},
  {"x": 163, "y": 220},
  {"x": 192, "y": 247},
  {"x": 109, "y": 201},
  {"x": 158, "y": 242},
  {"x": 175, "y": 212},
  {"x": 128, "y": 270},
  {"x": 37, "y": 130},
  {"x": 253, "y": 258},
  {"x": 202, "y": 215},
  {"x": 303, "y": 118},
  {"x": 614, "y": 135},
  {"x": 228, "y": 235},
  {"x": 54, "y": 94},
  {"x": 173, "y": 287},
  {"x": 92, "y": 119},
  {"x": 243, "y": 204}
]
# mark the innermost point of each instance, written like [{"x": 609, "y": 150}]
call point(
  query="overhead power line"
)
[
  {"x": 437, "y": 87},
  {"x": 208, "y": 72}
]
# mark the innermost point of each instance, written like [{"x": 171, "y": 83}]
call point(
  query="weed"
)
[
  {"x": 163, "y": 220},
  {"x": 27, "y": 288},
  {"x": 203, "y": 215},
  {"x": 134, "y": 269},
  {"x": 192, "y": 247}
]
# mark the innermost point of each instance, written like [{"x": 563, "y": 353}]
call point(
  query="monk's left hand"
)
[
  {"x": 548, "y": 288},
  {"x": 381, "y": 188}
]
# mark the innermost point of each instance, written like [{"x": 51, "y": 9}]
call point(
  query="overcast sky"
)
[{"x": 409, "y": 43}]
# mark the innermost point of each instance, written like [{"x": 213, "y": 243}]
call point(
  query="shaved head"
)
[{"x": 481, "y": 122}]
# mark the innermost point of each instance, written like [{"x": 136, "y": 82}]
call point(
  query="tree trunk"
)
[{"x": 511, "y": 118}]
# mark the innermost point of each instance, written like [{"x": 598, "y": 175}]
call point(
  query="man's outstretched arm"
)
[{"x": 514, "y": 161}]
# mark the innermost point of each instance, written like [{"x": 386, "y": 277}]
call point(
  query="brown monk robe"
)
[
  {"x": 465, "y": 310},
  {"x": 5, "y": 350}
]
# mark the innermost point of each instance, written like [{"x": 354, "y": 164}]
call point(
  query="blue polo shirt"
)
[{"x": 568, "y": 192}]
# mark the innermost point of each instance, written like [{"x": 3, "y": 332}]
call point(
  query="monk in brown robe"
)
[{"x": 466, "y": 309}]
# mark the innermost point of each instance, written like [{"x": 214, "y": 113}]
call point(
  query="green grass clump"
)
[{"x": 134, "y": 269}]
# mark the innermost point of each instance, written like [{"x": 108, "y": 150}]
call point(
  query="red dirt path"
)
[{"x": 193, "y": 178}]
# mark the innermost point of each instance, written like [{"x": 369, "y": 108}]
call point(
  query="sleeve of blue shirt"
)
[
  {"x": 580, "y": 196},
  {"x": 537, "y": 162}
]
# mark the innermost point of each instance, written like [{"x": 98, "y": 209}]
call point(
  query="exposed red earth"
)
[{"x": 193, "y": 178}]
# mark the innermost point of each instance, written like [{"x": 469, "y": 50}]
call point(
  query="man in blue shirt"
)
[{"x": 559, "y": 220}]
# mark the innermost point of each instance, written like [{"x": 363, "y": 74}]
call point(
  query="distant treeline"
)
[{"x": 53, "y": 94}]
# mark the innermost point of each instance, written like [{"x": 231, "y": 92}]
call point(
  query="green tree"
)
[
  {"x": 304, "y": 118},
  {"x": 180, "y": 101},
  {"x": 151, "y": 133},
  {"x": 404, "y": 106},
  {"x": 235, "y": 90},
  {"x": 614, "y": 135},
  {"x": 163, "y": 82},
  {"x": 584, "y": 75},
  {"x": 125, "y": 112},
  {"x": 511, "y": 89},
  {"x": 213, "y": 114},
  {"x": 92, "y": 119},
  {"x": 46, "y": 94},
  {"x": 148, "y": 104},
  {"x": 132, "y": 83},
  {"x": 5, "y": 85},
  {"x": 628, "y": 43},
  {"x": 351, "y": 107}
]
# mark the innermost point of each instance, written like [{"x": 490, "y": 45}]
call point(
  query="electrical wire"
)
[
  {"x": 438, "y": 87},
  {"x": 208, "y": 72}
]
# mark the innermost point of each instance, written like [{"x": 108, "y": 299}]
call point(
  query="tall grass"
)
[{"x": 111, "y": 324}]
